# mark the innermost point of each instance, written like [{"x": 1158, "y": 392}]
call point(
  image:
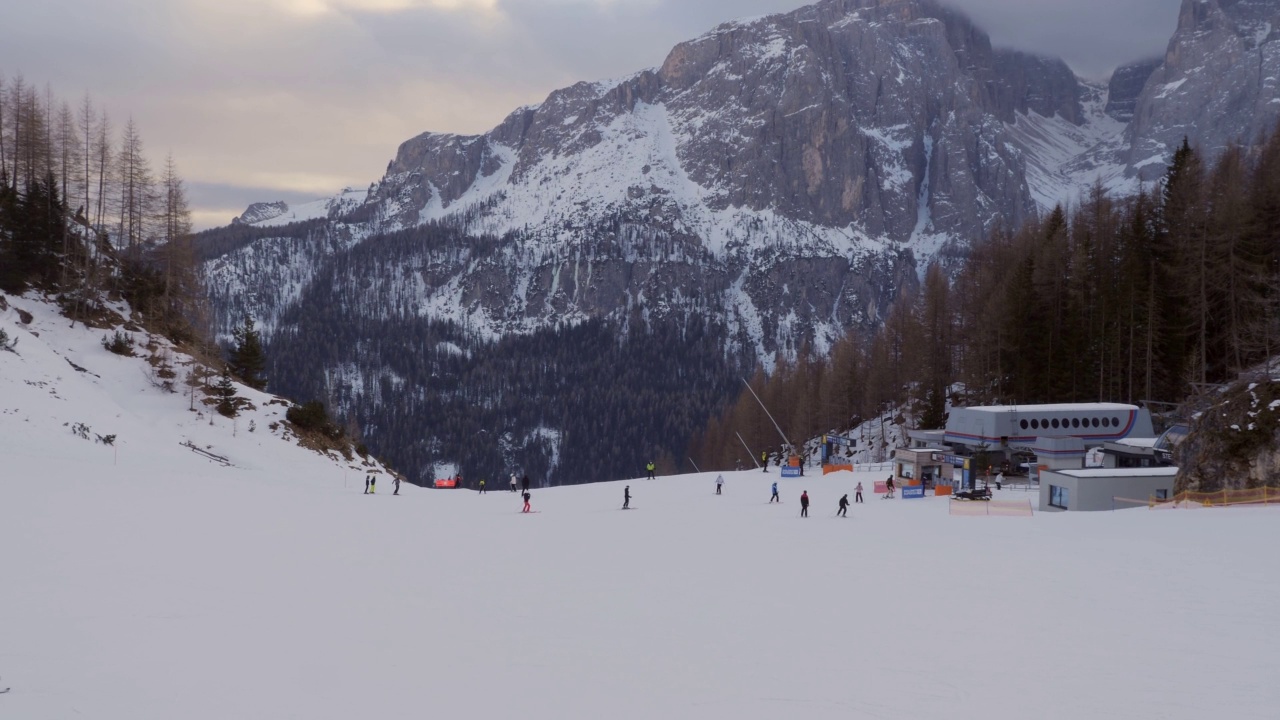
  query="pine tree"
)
[
  {"x": 226, "y": 393},
  {"x": 248, "y": 360}
]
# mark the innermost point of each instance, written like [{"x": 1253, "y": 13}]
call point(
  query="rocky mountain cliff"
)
[
  {"x": 1219, "y": 83},
  {"x": 781, "y": 179}
]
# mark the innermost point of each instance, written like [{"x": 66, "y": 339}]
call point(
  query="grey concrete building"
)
[{"x": 1103, "y": 488}]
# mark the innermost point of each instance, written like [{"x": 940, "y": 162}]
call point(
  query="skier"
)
[
  {"x": 525, "y": 483},
  {"x": 396, "y": 479},
  {"x": 719, "y": 483},
  {"x": 774, "y": 496},
  {"x": 764, "y": 459},
  {"x": 481, "y": 486},
  {"x": 367, "y": 478},
  {"x": 804, "y": 504},
  {"x": 513, "y": 482},
  {"x": 858, "y": 496},
  {"x": 626, "y": 498},
  {"x": 650, "y": 468},
  {"x": 844, "y": 506},
  {"x": 889, "y": 486},
  {"x": 526, "y": 501}
]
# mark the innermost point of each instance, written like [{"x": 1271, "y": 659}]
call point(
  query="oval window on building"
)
[
  {"x": 1106, "y": 422},
  {"x": 1023, "y": 424},
  {"x": 1044, "y": 423},
  {"x": 1115, "y": 422},
  {"x": 1055, "y": 423},
  {"x": 1066, "y": 423},
  {"x": 1035, "y": 424},
  {"x": 1075, "y": 422},
  {"x": 1095, "y": 422}
]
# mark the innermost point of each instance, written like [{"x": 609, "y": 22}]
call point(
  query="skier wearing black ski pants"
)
[
  {"x": 626, "y": 498},
  {"x": 774, "y": 496},
  {"x": 844, "y": 506},
  {"x": 804, "y": 504}
]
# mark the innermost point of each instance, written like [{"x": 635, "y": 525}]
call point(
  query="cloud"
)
[{"x": 308, "y": 96}]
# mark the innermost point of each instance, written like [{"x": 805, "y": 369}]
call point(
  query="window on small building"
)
[
  {"x": 1162, "y": 494},
  {"x": 1055, "y": 423},
  {"x": 1035, "y": 424},
  {"x": 1115, "y": 422},
  {"x": 1066, "y": 423},
  {"x": 1095, "y": 422},
  {"x": 1058, "y": 497},
  {"x": 1075, "y": 422},
  {"x": 1106, "y": 423},
  {"x": 1023, "y": 424}
]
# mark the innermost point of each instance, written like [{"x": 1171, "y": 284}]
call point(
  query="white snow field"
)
[{"x": 166, "y": 587}]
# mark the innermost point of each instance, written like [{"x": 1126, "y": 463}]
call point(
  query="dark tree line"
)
[
  {"x": 1144, "y": 298},
  {"x": 575, "y": 403}
]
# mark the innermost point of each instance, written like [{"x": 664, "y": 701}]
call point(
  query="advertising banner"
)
[
  {"x": 790, "y": 471},
  {"x": 912, "y": 491}
]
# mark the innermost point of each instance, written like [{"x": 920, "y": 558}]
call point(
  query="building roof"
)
[
  {"x": 1061, "y": 407},
  {"x": 1104, "y": 473},
  {"x": 1137, "y": 442}
]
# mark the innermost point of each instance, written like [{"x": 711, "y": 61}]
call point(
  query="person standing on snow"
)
[
  {"x": 844, "y": 506},
  {"x": 526, "y": 501},
  {"x": 858, "y": 493},
  {"x": 396, "y": 479},
  {"x": 889, "y": 486},
  {"x": 513, "y": 482},
  {"x": 650, "y": 467},
  {"x": 774, "y": 496},
  {"x": 366, "y": 483},
  {"x": 481, "y": 486},
  {"x": 804, "y": 504},
  {"x": 764, "y": 459},
  {"x": 626, "y": 498},
  {"x": 719, "y": 483}
]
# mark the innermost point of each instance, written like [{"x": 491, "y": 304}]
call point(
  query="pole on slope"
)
[
  {"x": 781, "y": 434},
  {"x": 744, "y": 444},
  {"x": 695, "y": 465}
]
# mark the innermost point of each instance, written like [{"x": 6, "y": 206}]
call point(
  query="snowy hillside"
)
[
  {"x": 161, "y": 591},
  {"x": 62, "y": 394}
]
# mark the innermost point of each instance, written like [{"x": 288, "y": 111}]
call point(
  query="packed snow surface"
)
[{"x": 144, "y": 582}]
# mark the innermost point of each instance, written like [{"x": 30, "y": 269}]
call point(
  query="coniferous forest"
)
[
  {"x": 577, "y": 403},
  {"x": 84, "y": 214},
  {"x": 1149, "y": 298}
]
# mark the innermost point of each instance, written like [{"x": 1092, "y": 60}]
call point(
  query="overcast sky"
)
[{"x": 294, "y": 99}]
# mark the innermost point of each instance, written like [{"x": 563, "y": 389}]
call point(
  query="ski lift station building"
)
[{"x": 1004, "y": 428}]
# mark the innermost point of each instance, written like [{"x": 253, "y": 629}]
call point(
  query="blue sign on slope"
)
[
  {"x": 788, "y": 471},
  {"x": 912, "y": 491}
]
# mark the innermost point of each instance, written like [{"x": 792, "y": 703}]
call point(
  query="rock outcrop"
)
[{"x": 1235, "y": 443}]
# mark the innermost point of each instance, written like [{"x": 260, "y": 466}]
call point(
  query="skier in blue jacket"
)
[{"x": 775, "y": 494}]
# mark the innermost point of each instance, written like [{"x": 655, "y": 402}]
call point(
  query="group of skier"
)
[
  {"x": 842, "y": 511},
  {"x": 371, "y": 483}
]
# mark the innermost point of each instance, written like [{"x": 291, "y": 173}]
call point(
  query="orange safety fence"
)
[
  {"x": 826, "y": 469},
  {"x": 999, "y": 508},
  {"x": 450, "y": 483},
  {"x": 1221, "y": 498},
  {"x": 941, "y": 490}
]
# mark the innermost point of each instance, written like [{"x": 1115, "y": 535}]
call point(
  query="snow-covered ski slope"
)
[
  {"x": 143, "y": 581},
  {"x": 159, "y": 590}
]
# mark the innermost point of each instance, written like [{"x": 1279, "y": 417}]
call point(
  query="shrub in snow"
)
[{"x": 120, "y": 344}]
